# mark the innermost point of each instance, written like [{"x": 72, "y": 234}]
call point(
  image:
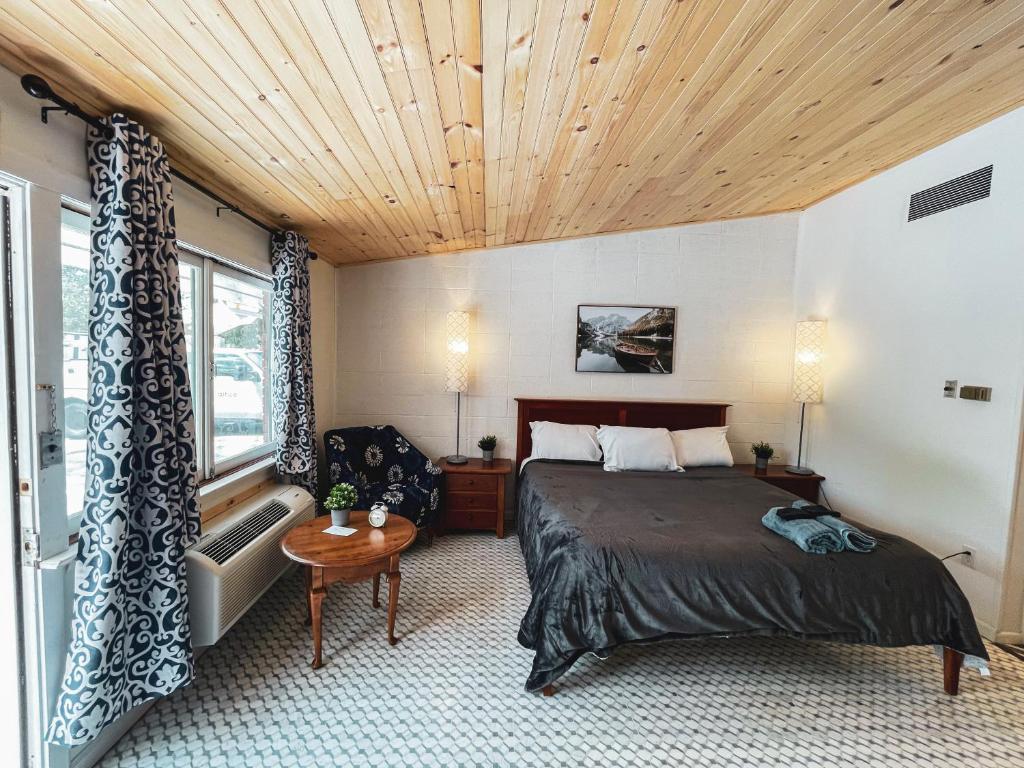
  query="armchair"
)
[{"x": 383, "y": 466}]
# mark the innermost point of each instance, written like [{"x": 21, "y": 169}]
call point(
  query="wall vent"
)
[
  {"x": 243, "y": 533},
  {"x": 962, "y": 190}
]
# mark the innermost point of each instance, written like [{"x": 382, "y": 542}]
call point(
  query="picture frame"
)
[{"x": 625, "y": 338}]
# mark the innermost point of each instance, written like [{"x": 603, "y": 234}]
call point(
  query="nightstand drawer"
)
[
  {"x": 472, "y": 501},
  {"x": 471, "y": 519},
  {"x": 485, "y": 483}
]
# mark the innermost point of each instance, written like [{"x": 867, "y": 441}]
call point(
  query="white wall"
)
[
  {"x": 731, "y": 283},
  {"x": 910, "y": 305}
]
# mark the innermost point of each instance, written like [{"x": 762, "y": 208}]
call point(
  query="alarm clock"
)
[{"x": 378, "y": 514}]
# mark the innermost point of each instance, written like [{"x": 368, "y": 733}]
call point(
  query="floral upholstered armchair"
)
[{"x": 383, "y": 466}]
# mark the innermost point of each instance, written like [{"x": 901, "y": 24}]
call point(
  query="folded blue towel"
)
[
  {"x": 810, "y": 535},
  {"x": 853, "y": 538}
]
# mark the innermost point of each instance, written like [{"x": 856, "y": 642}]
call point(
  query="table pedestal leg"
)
[
  {"x": 394, "y": 582},
  {"x": 316, "y": 597},
  {"x": 376, "y": 590},
  {"x": 307, "y": 575}
]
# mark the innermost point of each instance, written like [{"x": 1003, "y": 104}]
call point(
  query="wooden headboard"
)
[{"x": 619, "y": 413}]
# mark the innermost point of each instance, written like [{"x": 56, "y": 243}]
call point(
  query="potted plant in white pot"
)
[
  {"x": 340, "y": 501},
  {"x": 487, "y": 445},
  {"x": 762, "y": 454}
]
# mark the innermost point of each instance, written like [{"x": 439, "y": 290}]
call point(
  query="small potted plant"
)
[
  {"x": 340, "y": 501},
  {"x": 762, "y": 453},
  {"x": 487, "y": 445}
]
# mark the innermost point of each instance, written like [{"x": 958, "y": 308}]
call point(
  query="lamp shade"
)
[
  {"x": 456, "y": 367},
  {"x": 808, "y": 367}
]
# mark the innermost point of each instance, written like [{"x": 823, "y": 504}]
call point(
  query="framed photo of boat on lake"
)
[{"x": 614, "y": 338}]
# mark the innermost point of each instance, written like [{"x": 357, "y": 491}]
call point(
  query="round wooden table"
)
[{"x": 363, "y": 555}]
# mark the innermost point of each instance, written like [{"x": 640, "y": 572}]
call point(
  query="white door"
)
[
  {"x": 12, "y": 733},
  {"x": 51, "y": 466}
]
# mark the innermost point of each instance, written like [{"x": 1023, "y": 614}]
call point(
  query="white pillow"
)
[
  {"x": 704, "y": 447},
  {"x": 567, "y": 442},
  {"x": 637, "y": 448}
]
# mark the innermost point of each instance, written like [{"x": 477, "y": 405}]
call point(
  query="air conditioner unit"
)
[{"x": 238, "y": 557}]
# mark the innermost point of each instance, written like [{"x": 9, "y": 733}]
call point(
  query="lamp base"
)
[
  {"x": 800, "y": 470},
  {"x": 457, "y": 458}
]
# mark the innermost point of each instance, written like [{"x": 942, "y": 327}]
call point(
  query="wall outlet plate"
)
[{"x": 949, "y": 390}]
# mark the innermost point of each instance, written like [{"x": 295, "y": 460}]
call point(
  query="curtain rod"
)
[{"x": 38, "y": 88}]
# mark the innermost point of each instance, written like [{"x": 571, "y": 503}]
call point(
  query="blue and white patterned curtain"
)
[
  {"x": 130, "y": 635},
  {"x": 292, "y": 362}
]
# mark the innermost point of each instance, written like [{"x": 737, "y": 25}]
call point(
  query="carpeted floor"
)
[{"x": 451, "y": 692}]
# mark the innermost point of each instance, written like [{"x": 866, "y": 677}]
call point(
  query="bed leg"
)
[
  {"x": 951, "y": 662},
  {"x": 548, "y": 690}
]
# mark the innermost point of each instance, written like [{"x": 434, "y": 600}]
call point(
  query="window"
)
[
  {"x": 74, "y": 279},
  {"x": 240, "y": 325},
  {"x": 226, "y": 314}
]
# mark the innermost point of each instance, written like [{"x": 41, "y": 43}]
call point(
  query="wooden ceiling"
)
[{"x": 387, "y": 128}]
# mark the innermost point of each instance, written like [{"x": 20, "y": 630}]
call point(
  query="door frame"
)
[{"x": 14, "y": 749}]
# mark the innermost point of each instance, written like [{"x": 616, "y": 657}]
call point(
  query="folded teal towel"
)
[
  {"x": 810, "y": 535},
  {"x": 853, "y": 538}
]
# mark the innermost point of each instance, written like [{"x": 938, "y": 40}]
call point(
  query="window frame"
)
[
  {"x": 205, "y": 263},
  {"x": 208, "y": 265}
]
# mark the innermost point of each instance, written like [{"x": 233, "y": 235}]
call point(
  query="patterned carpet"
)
[{"x": 450, "y": 693}]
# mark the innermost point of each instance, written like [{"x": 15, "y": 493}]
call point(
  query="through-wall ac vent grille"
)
[
  {"x": 962, "y": 190},
  {"x": 235, "y": 538}
]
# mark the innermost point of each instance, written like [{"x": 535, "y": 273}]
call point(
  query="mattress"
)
[{"x": 632, "y": 557}]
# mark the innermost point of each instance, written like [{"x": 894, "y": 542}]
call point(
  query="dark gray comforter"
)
[{"x": 622, "y": 557}]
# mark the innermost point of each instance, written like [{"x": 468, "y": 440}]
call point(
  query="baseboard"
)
[
  {"x": 1010, "y": 638},
  {"x": 988, "y": 631}
]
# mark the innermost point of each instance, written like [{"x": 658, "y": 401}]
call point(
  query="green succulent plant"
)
[
  {"x": 342, "y": 496},
  {"x": 762, "y": 450},
  {"x": 487, "y": 442}
]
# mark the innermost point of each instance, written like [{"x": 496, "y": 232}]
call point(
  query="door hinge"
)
[{"x": 29, "y": 548}]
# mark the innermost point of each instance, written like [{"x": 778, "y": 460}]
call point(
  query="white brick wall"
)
[{"x": 732, "y": 283}]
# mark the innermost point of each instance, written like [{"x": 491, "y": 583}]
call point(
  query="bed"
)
[{"x": 635, "y": 557}]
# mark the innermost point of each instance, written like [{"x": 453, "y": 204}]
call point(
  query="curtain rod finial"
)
[{"x": 36, "y": 87}]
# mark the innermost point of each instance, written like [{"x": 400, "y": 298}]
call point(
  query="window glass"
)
[
  {"x": 190, "y": 278},
  {"x": 240, "y": 310},
  {"x": 74, "y": 278}
]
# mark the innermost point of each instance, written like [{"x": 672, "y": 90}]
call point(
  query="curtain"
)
[
  {"x": 292, "y": 362},
  {"x": 130, "y": 636}
]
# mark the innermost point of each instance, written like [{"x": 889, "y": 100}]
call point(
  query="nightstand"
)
[
  {"x": 804, "y": 486},
  {"x": 474, "y": 495}
]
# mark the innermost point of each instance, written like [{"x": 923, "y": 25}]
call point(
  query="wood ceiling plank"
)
[
  {"x": 778, "y": 56},
  {"x": 413, "y": 55},
  {"x": 820, "y": 132},
  {"x": 493, "y": 33},
  {"x": 522, "y": 18},
  {"x": 369, "y": 125},
  {"x": 787, "y": 114},
  {"x": 318, "y": 71},
  {"x": 469, "y": 64},
  {"x": 618, "y": 52},
  {"x": 94, "y": 68},
  {"x": 186, "y": 44},
  {"x": 561, "y": 27},
  {"x": 545, "y": 172},
  {"x": 567, "y": 217},
  {"x": 741, "y": 37},
  {"x": 462, "y": 126},
  {"x": 934, "y": 114}
]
